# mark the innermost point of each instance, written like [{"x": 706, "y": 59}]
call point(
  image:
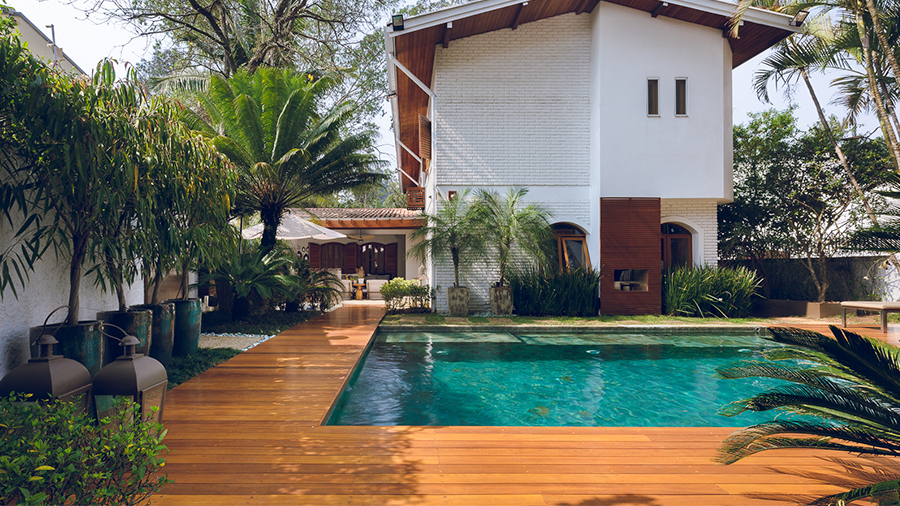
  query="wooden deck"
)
[{"x": 248, "y": 432}]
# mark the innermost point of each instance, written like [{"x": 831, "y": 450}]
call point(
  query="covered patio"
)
[{"x": 249, "y": 432}]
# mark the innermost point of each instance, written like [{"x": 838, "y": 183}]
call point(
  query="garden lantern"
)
[
  {"x": 49, "y": 376},
  {"x": 135, "y": 376}
]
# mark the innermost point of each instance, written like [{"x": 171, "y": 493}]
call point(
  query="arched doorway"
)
[{"x": 676, "y": 246}]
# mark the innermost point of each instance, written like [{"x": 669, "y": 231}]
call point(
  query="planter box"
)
[{"x": 781, "y": 308}]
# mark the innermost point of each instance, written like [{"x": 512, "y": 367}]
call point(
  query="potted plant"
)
[
  {"x": 511, "y": 226},
  {"x": 451, "y": 233},
  {"x": 78, "y": 167},
  {"x": 186, "y": 226}
]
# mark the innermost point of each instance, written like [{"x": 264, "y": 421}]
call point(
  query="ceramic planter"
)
[
  {"x": 81, "y": 342},
  {"x": 187, "y": 326},
  {"x": 501, "y": 300},
  {"x": 458, "y": 300},
  {"x": 137, "y": 323},
  {"x": 162, "y": 332}
]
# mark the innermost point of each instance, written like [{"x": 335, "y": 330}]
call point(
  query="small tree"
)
[
  {"x": 81, "y": 145},
  {"x": 792, "y": 195},
  {"x": 452, "y": 233},
  {"x": 508, "y": 224}
]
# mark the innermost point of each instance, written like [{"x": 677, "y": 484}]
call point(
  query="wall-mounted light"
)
[
  {"x": 397, "y": 22},
  {"x": 799, "y": 18}
]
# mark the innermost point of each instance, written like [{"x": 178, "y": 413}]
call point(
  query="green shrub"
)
[
  {"x": 53, "y": 453},
  {"x": 407, "y": 296},
  {"x": 710, "y": 291},
  {"x": 571, "y": 292}
]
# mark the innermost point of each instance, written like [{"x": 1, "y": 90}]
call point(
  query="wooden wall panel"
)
[{"x": 629, "y": 239}]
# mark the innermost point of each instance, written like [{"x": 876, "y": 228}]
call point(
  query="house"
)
[
  {"x": 39, "y": 44},
  {"x": 615, "y": 115},
  {"x": 377, "y": 241}
]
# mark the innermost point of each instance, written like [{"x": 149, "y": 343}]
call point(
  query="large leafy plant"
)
[
  {"x": 256, "y": 273},
  {"x": 53, "y": 453},
  {"x": 849, "y": 384}
]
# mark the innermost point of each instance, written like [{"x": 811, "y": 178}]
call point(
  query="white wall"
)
[
  {"x": 47, "y": 289},
  {"x": 701, "y": 218},
  {"x": 665, "y": 156},
  {"x": 512, "y": 106}
]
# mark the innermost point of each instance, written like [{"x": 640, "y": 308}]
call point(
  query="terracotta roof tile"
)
[{"x": 358, "y": 213}]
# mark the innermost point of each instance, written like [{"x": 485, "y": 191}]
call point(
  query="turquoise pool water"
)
[{"x": 601, "y": 379}]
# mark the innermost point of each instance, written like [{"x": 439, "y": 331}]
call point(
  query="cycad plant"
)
[
  {"x": 255, "y": 272},
  {"x": 284, "y": 150},
  {"x": 849, "y": 384}
]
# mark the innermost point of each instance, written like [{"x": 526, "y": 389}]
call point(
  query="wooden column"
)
[{"x": 630, "y": 256}]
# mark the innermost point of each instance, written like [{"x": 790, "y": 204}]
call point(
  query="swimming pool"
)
[{"x": 611, "y": 377}]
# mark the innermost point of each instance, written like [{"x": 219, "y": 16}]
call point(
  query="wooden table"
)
[{"x": 359, "y": 290}]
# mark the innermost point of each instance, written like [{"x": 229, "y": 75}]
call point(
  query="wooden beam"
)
[
  {"x": 515, "y": 23},
  {"x": 655, "y": 11},
  {"x": 582, "y": 7},
  {"x": 445, "y": 40}
]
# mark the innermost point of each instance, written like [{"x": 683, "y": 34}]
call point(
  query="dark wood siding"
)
[
  {"x": 390, "y": 259},
  {"x": 629, "y": 239},
  {"x": 315, "y": 256},
  {"x": 351, "y": 261}
]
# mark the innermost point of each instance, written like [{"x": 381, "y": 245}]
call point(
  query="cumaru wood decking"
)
[{"x": 248, "y": 432}]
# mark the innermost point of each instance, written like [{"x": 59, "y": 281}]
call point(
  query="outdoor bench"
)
[{"x": 870, "y": 305}]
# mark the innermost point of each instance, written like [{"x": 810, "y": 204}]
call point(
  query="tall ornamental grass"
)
[
  {"x": 572, "y": 292},
  {"x": 710, "y": 292}
]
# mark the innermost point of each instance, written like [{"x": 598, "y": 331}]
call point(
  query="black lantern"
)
[
  {"x": 49, "y": 376},
  {"x": 139, "y": 378}
]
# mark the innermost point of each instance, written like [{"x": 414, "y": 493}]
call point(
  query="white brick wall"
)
[
  {"x": 513, "y": 106},
  {"x": 699, "y": 216}
]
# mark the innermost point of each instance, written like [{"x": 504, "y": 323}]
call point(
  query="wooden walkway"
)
[{"x": 248, "y": 432}]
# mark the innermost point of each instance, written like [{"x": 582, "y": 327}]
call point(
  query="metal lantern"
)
[
  {"x": 49, "y": 376},
  {"x": 141, "y": 379}
]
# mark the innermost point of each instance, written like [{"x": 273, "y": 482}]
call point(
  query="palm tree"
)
[
  {"x": 453, "y": 233},
  {"x": 849, "y": 384},
  {"x": 285, "y": 152},
  {"x": 508, "y": 223}
]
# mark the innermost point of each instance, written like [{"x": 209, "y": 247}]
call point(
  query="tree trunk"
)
[
  {"x": 79, "y": 247},
  {"x": 454, "y": 253},
  {"x": 846, "y": 165},
  {"x": 185, "y": 273},
  {"x": 157, "y": 281},
  {"x": 886, "y": 128},
  {"x": 883, "y": 42}
]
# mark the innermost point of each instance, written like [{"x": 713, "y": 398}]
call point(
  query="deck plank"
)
[{"x": 248, "y": 432}]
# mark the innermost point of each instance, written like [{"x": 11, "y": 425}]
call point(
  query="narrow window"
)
[
  {"x": 653, "y": 97},
  {"x": 681, "y": 97}
]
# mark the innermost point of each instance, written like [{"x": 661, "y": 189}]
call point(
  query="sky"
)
[{"x": 87, "y": 41}]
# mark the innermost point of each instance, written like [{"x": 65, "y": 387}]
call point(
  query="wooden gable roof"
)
[{"x": 414, "y": 46}]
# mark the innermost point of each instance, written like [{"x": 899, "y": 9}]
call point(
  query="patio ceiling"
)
[
  {"x": 365, "y": 218},
  {"x": 414, "y": 47}
]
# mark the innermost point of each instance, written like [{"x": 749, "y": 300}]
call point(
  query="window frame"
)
[
  {"x": 652, "y": 97},
  {"x": 681, "y": 96}
]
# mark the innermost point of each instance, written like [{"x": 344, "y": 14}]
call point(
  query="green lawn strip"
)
[
  {"x": 181, "y": 369},
  {"x": 436, "y": 319}
]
